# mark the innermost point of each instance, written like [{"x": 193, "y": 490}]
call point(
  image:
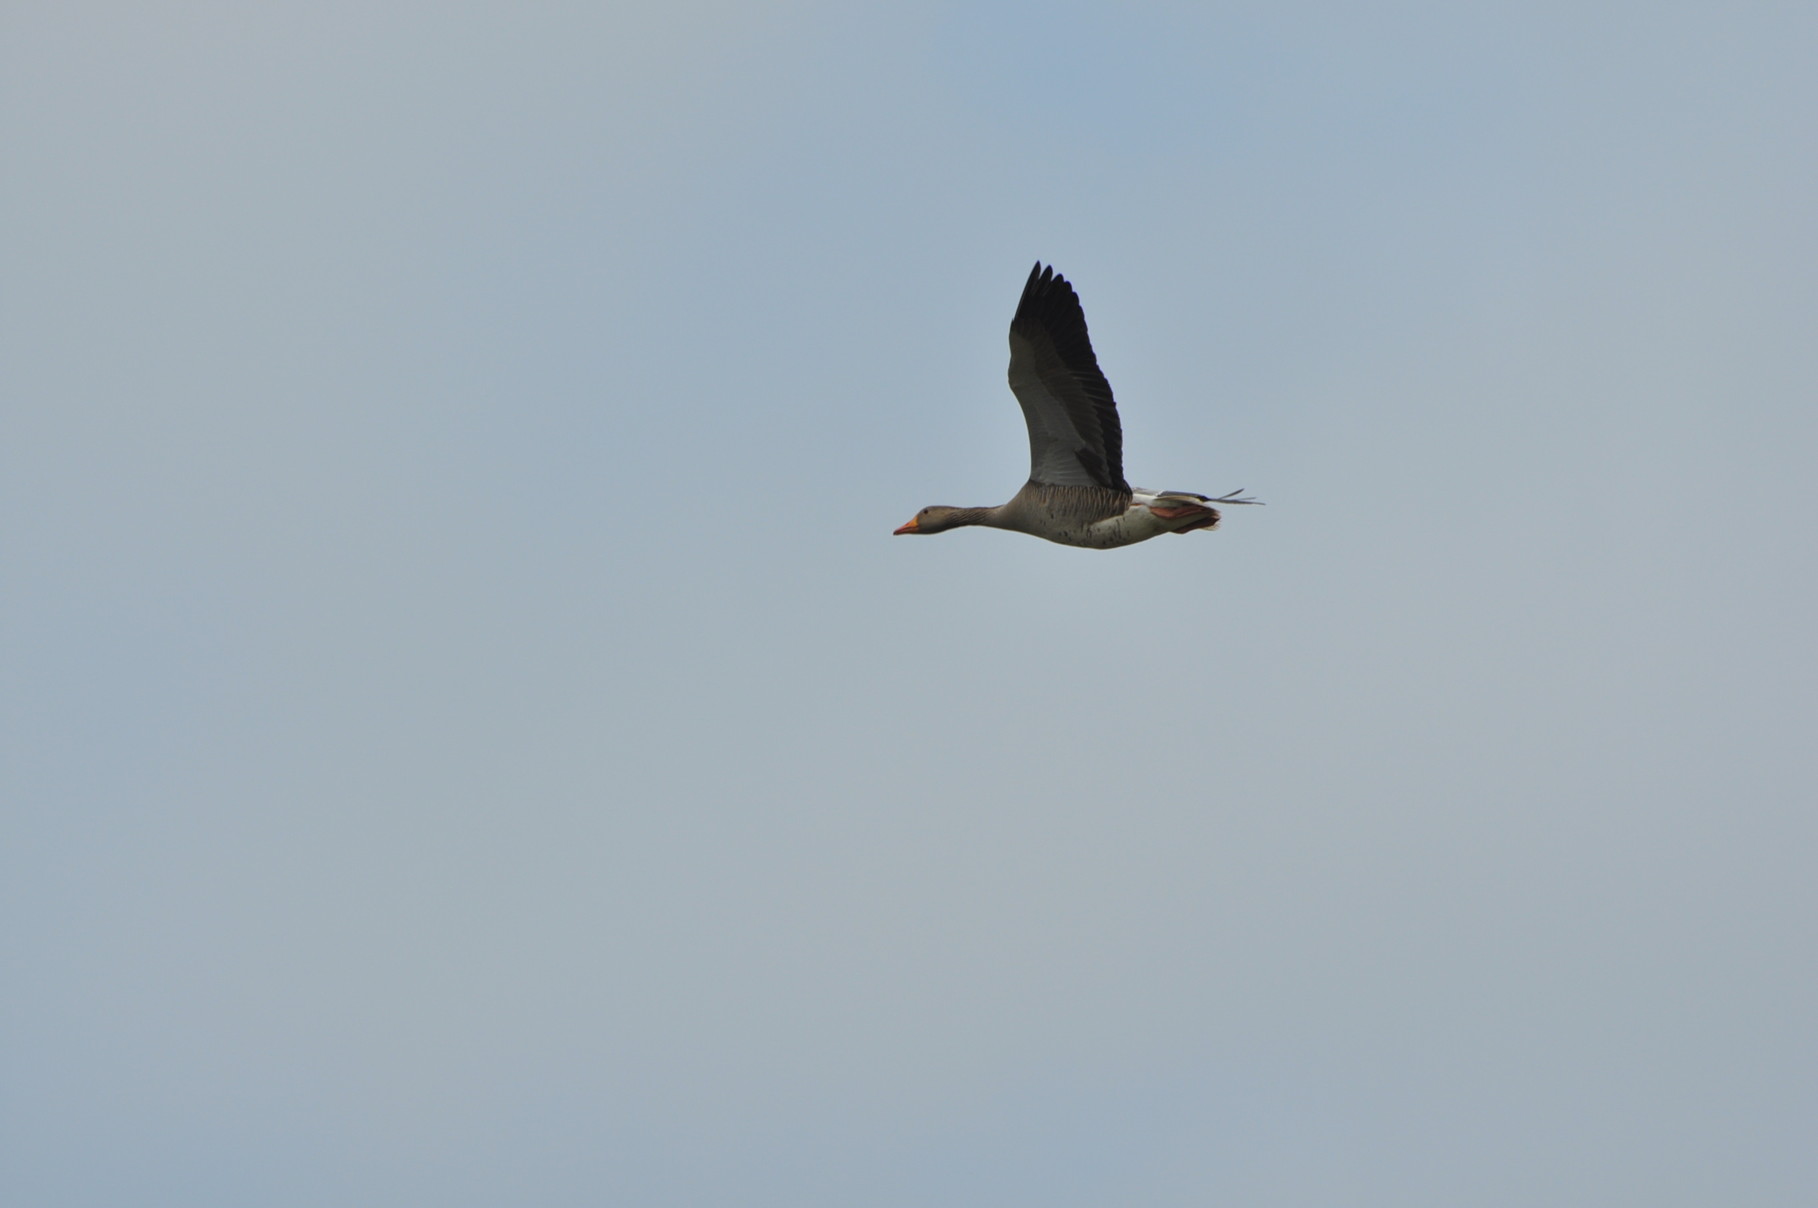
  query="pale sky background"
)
[{"x": 470, "y": 738}]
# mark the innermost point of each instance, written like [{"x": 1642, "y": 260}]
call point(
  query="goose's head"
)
[{"x": 934, "y": 520}]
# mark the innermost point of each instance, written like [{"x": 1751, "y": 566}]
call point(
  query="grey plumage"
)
[{"x": 1076, "y": 493}]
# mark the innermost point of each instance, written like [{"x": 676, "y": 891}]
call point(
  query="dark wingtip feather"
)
[{"x": 1033, "y": 288}]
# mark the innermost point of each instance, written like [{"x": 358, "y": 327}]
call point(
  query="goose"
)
[{"x": 1076, "y": 493}]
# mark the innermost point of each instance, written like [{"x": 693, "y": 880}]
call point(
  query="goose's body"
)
[{"x": 1076, "y": 493}]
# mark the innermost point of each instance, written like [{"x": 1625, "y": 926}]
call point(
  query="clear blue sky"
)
[{"x": 470, "y": 738}]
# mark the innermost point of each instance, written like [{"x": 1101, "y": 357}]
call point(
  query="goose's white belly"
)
[{"x": 1136, "y": 523}]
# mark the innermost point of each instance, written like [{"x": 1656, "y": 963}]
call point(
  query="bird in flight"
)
[{"x": 1076, "y": 493}]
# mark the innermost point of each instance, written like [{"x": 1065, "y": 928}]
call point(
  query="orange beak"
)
[{"x": 907, "y": 528}]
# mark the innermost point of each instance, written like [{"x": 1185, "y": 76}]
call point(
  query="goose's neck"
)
[{"x": 990, "y": 517}]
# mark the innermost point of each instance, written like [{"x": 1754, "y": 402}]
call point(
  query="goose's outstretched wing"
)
[{"x": 1074, "y": 436}]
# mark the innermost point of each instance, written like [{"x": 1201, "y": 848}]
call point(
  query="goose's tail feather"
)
[{"x": 1194, "y": 512}]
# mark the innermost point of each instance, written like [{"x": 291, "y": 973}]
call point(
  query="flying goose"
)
[{"x": 1076, "y": 493}]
